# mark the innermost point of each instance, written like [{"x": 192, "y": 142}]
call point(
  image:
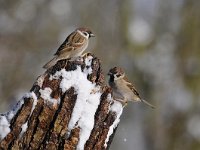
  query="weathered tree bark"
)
[{"x": 54, "y": 116}]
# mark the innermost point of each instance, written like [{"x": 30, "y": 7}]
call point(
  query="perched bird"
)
[
  {"x": 72, "y": 47},
  {"x": 123, "y": 90}
]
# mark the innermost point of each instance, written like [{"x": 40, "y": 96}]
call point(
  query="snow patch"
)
[
  {"x": 88, "y": 62},
  {"x": 86, "y": 121},
  {"x": 11, "y": 113},
  {"x": 109, "y": 98},
  {"x": 46, "y": 95},
  {"x": 34, "y": 97},
  {"x": 40, "y": 80},
  {"x": 7, "y": 117},
  {"x": 4, "y": 126},
  {"x": 117, "y": 108},
  {"x": 88, "y": 99},
  {"x": 24, "y": 128},
  {"x": 31, "y": 95}
]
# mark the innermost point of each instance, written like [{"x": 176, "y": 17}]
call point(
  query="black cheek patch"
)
[
  {"x": 118, "y": 75},
  {"x": 111, "y": 78}
]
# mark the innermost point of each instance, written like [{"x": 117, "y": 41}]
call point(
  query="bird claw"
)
[{"x": 125, "y": 104}]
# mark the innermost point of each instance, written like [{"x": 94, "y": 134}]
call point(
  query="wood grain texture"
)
[{"x": 47, "y": 124}]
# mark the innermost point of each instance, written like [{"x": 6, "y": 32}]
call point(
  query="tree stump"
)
[{"x": 69, "y": 107}]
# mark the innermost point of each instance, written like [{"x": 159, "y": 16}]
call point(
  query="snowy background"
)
[{"x": 156, "y": 41}]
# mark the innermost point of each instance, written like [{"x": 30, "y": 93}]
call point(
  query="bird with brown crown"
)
[
  {"x": 123, "y": 90},
  {"x": 73, "y": 47}
]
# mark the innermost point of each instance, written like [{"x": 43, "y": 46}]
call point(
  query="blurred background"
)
[{"x": 157, "y": 42}]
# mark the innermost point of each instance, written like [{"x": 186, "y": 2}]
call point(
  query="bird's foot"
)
[{"x": 124, "y": 104}]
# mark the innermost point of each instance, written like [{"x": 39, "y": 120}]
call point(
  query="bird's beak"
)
[{"x": 92, "y": 35}]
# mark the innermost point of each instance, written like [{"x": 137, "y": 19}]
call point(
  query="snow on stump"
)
[{"x": 69, "y": 107}]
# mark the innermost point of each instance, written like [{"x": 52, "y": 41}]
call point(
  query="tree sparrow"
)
[
  {"x": 72, "y": 47},
  {"x": 123, "y": 90}
]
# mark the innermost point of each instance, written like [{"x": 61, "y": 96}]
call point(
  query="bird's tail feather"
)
[
  {"x": 147, "y": 103},
  {"x": 51, "y": 63}
]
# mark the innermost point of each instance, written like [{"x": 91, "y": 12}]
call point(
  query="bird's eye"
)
[{"x": 85, "y": 33}]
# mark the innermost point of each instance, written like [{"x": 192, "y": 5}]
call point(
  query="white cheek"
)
[
  {"x": 115, "y": 77},
  {"x": 86, "y": 36}
]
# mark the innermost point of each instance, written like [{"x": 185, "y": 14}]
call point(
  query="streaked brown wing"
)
[
  {"x": 65, "y": 50},
  {"x": 77, "y": 39},
  {"x": 65, "y": 43},
  {"x": 131, "y": 86},
  {"x": 73, "y": 40}
]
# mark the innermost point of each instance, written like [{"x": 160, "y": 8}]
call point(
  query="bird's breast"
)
[{"x": 124, "y": 90}]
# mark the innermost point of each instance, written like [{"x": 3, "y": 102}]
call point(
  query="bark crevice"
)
[{"x": 47, "y": 117}]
